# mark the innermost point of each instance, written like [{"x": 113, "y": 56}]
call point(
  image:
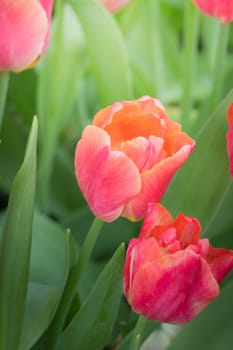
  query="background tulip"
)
[
  {"x": 230, "y": 138},
  {"x": 221, "y": 9},
  {"x": 114, "y": 5},
  {"x": 127, "y": 158},
  {"x": 25, "y": 27},
  {"x": 170, "y": 274}
]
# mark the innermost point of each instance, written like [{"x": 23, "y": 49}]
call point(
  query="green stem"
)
[
  {"x": 72, "y": 282},
  {"x": 138, "y": 333},
  {"x": 219, "y": 67},
  {"x": 191, "y": 25},
  {"x": 4, "y": 82}
]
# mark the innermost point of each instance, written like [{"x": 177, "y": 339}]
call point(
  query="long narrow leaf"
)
[
  {"x": 212, "y": 329},
  {"x": 53, "y": 254},
  {"x": 201, "y": 184},
  {"x": 15, "y": 248},
  {"x": 92, "y": 325},
  {"x": 106, "y": 50}
]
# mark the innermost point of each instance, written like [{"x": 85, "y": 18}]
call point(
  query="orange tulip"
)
[{"x": 128, "y": 157}]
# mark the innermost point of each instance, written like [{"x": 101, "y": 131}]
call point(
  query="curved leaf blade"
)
[
  {"x": 94, "y": 321},
  {"x": 200, "y": 185},
  {"x": 106, "y": 50},
  {"x": 15, "y": 247}
]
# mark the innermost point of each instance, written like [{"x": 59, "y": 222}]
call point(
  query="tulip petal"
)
[
  {"x": 48, "y": 7},
  {"x": 162, "y": 291},
  {"x": 155, "y": 182},
  {"x": 114, "y": 5},
  {"x": 136, "y": 257},
  {"x": 24, "y": 26},
  {"x": 129, "y": 119},
  {"x": 128, "y": 124},
  {"x": 104, "y": 175},
  {"x": 144, "y": 152},
  {"x": 188, "y": 230},
  {"x": 221, "y": 9},
  {"x": 220, "y": 261},
  {"x": 156, "y": 215}
]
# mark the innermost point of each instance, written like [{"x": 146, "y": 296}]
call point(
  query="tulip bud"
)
[
  {"x": 114, "y": 5},
  {"x": 171, "y": 274},
  {"x": 220, "y": 9},
  {"x": 25, "y": 28}
]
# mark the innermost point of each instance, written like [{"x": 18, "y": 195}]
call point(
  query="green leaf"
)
[
  {"x": 212, "y": 329},
  {"x": 222, "y": 223},
  {"x": 15, "y": 247},
  {"x": 200, "y": 185},
  {"x": 42, "y": 300},
  {"x": 106, "y": 50},
  {"x": 94, "y": 321},
  {"x": 23, "y": 85},
  {"x": 53, "y": 254},
  {"x": 58, "y": 80},
  {"x": 60, "y": 71},
  {"x": 4, "y": 82},
  {"x": 12, "y": 148}
]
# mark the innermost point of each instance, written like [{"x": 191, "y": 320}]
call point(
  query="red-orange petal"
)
[
  {"x": 156, "y": 215},
  {"x": 173, "y": 290},
  {"x": 220, "y": 261}
]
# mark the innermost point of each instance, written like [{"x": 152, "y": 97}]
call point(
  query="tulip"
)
[
  {"x": 230, "y": 138},
  {"x": 171, "y": 274},
  {"x": 25, "y": 28},
  {"x": 220, "y": 9},
  {"x": 114, "y": 5},
  {"x": 128, "y": 157}
]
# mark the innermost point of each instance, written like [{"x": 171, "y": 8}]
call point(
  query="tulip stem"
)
[
  {"x": 138, "y": 333},
  {"x": 76, "y": 273},
  {"x": 219, "y": 67},
  {"x": 190, "y": 32},
  {"x": 4, "y": 82}
]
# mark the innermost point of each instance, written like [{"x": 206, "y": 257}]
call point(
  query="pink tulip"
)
[
  {"x": 171, "y": 274},
  {"x": 25, "y": 28},
  {"x": 220, "y": 9},
  {"x": 115, "y": 5},
  {"x": 230, "y": 138},
  {"x": 128, "y": 157}
]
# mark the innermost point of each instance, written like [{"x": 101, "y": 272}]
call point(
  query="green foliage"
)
[
  {"x": 53, "y": 288},
  {"x": 106, "y": 51},
  {"x": 205, "y": 178},
  {"x": 94, "y": 321},
  {"x": 15, "y": 247},
  {"x": 212, "y": 329}
]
